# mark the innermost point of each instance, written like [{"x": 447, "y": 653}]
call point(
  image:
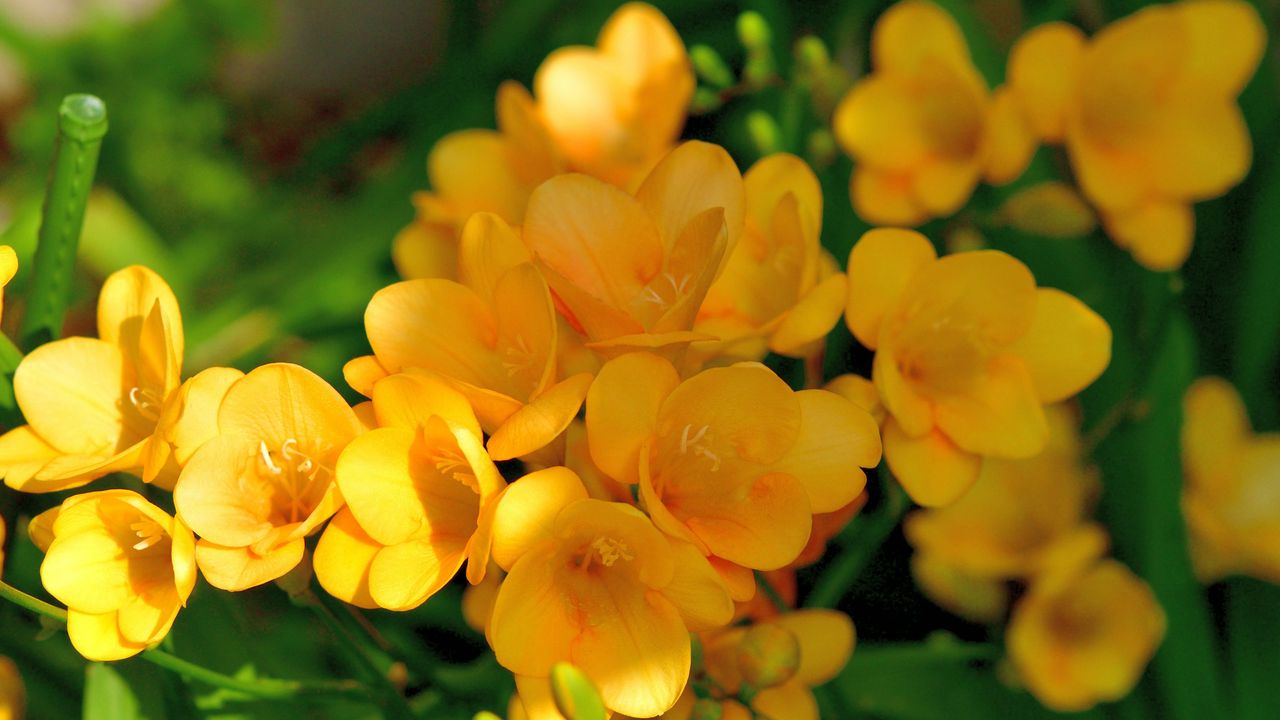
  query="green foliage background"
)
[{"x": 274, "y": 259}]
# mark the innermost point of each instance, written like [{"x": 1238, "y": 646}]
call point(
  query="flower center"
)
[
  {"x": 146, "y": 402},
  {"x": 451, "y": 463},
  {"x": 606, "y": 551},
  {"x": 297, "y": 473},
  {"x": 147, "y": 531}
]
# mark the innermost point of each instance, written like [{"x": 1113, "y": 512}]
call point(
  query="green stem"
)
[
  {"x": 772, "y": 593},
  {"x": 269, "y": 688},
  {"x": 387, "y": 695},
  {"x": 82, "y": 122},
  {"x": 867, "y": 537}
]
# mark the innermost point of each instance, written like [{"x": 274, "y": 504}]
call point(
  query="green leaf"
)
[
  {"x": 1253, "y": 631},
  {"x": 123, "y": 691},
  {"x": 945, "y": 680},
  {"x": 1258, "y": 338}
]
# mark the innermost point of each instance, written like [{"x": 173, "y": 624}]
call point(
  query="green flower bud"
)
[
  {"x": 753, "y": 31},
  {"x": 768, "y": 655},
  {"x": 710, "y": 66},
  {"x": 575, "y": 695},
  {"x": 706, "y": 709},
  {"x": 764, "y": 132}
]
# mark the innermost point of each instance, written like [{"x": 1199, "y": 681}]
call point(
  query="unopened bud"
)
[
  {"x": 576, "y": 697},
  {"x": 1052, "y": 209},
  {"x": 485, "y": 715},
  {"x": 821, "y": 148},
  {"x": 768, "y": 655},
  {"x": 812, "y": 55},
  {"x": 753, "y": 31},
  {"x": 710, "y": 66},
  {"x": 706, "y": 709},
  {"x": 764, "y": 132},
  {"x": 705, "y": 100}
]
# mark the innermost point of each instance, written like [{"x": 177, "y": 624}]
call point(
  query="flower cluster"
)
[
  {"x": 1146, "y": 111},
  {"x": 1084, "y": 626}
]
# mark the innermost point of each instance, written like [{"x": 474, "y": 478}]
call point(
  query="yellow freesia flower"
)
[
  {"x": 922, "y": 127},
  {"x": 1023, "y": 518},
  {"x": 616, "y": 109},
  {"x": 1147, "y": 110},
  {"x": 780, "y": 290},
  {"x": 473, "y": 171},
  {"x": 13, "y": 694},
  {"x": 731, "y": 460},
  {"x": 630, "y": 271},
  {"x": 266, "y": 480},
  {"x": 419, "y": 491},
  {"x": 93, "y": 405},
  {"x": 1230, "y": 495},
  {"x": 8, "y": 268},
  {"x": 594, "y": 583},
  {"x": 967, "y": 349},
  {"x": 492, "y": 334},
  {"x": 611, "y": 112},
  {"x": 1080, "y": 639},
  {"x": 824, "y": 640},
  {"x": 122, "y": 566}
]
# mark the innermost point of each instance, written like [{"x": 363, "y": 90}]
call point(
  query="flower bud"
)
[
  {"x": 764, "y": 132},
  {"x": 576, "y": 697},
  {"x": 768, "y": 655},
  {"x": 753, "y": 31},
  {"x": 706, "y": 709},
  {"x": 710, "y": 66},
  {"x": 705, "y": 100},
  {"x": 812, "y": 55}
]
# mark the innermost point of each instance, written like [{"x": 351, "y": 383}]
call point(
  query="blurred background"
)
[{"x": 262, "y": 155}]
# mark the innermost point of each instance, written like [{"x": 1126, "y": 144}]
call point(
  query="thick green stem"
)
[
  {"x": 82, "y": 122},
  {"x": 268, "y": 688}
]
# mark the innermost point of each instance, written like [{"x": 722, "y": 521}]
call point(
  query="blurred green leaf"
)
[
  {"x": 945, "y": 680},
  {"x": 1253, "y": 630},
  {"x": 123, "y": 691}
]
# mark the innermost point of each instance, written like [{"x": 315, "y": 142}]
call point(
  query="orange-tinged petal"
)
[
  {"x": 98, "y": 637},
  {"x": 342, "y": 560},
  {"x": 240, "y": 568},
  {"x": 435, "y": 325},
  {"x": 791, "y": 700},
  {"x": 989, "y": 293},
  {"x": 775, "y": 176},
  {"x": 403, "y": 576},
  {"x": 1225, "y": 43},
  {"x": 425, "y": 250},
  {"x": 535, "y": 155},
  {"x": 382, "y": 476},
  {"x": 362, "y": 372},
  {"x": 1044, "y": 69},
  {"x": 885, "y": 198},
  {"x": 765, "y": 528},
  {"x": 1158, "y": 233},
  {"x": 487, "y": 248},
  {"x": 932, "y": 470},
  {"x": 622, "y": 411},
  {"x": 837, "y": 438},
  {"x": 410, "y": 400},
  {"x": 1215, "y": 428},
  {"x": 691, "y": 179},
  {"x": 128, "y": 296},
  {"x": 942, "y": 187},
  {"x": 473, "y": 170},
  {"x": 811, "y": 318},
  {"x": 1198, "y": 151},
  {"x": 527, "y": 328},
  {"x": 582, "y": 96},
  {"x": 597, "y": 237},
  {"x": 913, "y": 413},
  {"x": 1000, "y": 415},
  {"x": 189, "y": 420},
  {"x": 877, "y": 123},
  {"x": 860, "y": 391},
  {"x": 280, "y": 402},
  {"x": 535, "y": 425},
  {"x": 1067, "y": 348},
  {"x": 1010, "y": 140},
  {"x": 881, "y": 265},
  {"x": 691, "y": 267},
  {"x": 526, "y": 513},
  {"x": 644, "y": 627},
  {"x": 70, "y": 392},
  {"x": 910, "y": 32},
  {"x": 826, "y": 640},
  {"x": 219, "y": 494},
  {"x": 697, "y": 591},
  {"x": 531, "y": 627},
  {"x": 738, "y": 580}
]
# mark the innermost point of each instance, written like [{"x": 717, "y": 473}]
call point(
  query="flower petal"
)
[
  {"x": 240, "y": 568},
  {"x": 932, "y": 470},
  {"x": 836, "y": 439},
  {"x": 1158, "y": 233},
  {"x": 71, "y": 393},
  {"x": 1000, "y": 415},
  {"x": 128, "y": 297},
  {"x": 697, "y": 591},
  {"x": 532, "y": 627},
  {"x": 98, "y": 637},
  {"x": 811, "y": 318},
  {"x": 362, "y": 372},
  {"x": 1067, "y": 348},
  {"x": 691, "y": 179},
  {"x": 342, "y": 560},
  {"x": 403, "y": 576},
  {"x": 1044, "y": 69},
  {"x": 219, "y": 494},
  {"x": 622, "y": 411},
  {"x": 535, "y": 425},
  {"x": 282, "y": 402},
  {"x": 881, "y": 266}
]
